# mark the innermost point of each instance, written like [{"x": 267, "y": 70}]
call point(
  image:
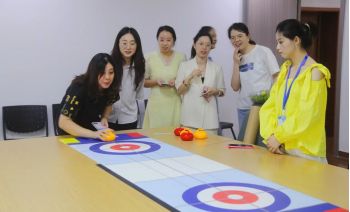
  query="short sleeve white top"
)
[{"x": 255, "y": 71}]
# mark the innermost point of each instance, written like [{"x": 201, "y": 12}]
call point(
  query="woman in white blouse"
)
[{"x": 199, "y": 80}]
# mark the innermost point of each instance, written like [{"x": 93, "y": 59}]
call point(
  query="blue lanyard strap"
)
[{"x": 286, "y": 89}]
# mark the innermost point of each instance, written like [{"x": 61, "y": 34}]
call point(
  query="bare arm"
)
[
  {"x": 235, "y": 80},
  {"x": 316, "y": 75},
  {"x": 105, "y": 115},
  {"x": 151, "y": 83},
  {"x": 187, "y": 81},
  {"x": 210, "y": 91},
  {"x": 184, "y": 86},
  {"x": 65, "y": 123}
]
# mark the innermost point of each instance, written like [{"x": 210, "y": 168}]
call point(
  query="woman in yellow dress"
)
[
  {"x": 292, "y": 120},
  {"x": 164, "y": 104}
]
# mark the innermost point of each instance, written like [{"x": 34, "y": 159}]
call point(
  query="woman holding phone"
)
[{"x": 163, "y": 107}]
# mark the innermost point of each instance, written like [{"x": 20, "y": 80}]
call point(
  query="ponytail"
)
[{"x": 291, "y": 28}]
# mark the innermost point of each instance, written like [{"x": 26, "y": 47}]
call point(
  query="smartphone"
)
[{"x": 240, "y": 146}]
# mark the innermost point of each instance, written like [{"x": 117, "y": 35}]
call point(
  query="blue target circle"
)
[
  {"x": 281, "y": 200},
  {"x": 152, "y": 147}
]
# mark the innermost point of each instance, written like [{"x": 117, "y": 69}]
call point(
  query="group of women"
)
[{"x": 184, "y": 92}]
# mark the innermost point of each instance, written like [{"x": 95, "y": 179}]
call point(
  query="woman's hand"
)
[
  {"x": 160, "y": 83},
  {"x": 208, "y": 92},
  {"x": 171, "y": 83},
  {"x": 236, "y": 79},
  {"x": 273, "y": 145},
  {"x": 104, "y": 122},
  {"x": 237, "y": 56},
  {"x": 103, "y": 134},
  {"x": 196, "y": 73}
]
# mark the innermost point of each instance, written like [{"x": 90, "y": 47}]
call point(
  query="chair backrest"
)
[
  {"x": 56, "y": 108},
  {"x": 222, "y": 124},
  {"x": 217, "y": 105},
  {"x": 22, "y": 121},
  {"x": 141, "y": 108}
]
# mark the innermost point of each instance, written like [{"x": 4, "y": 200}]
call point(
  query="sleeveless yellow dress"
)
[
  {"x": 164, "y": 104},
  {"x": 304, "y": 127}
]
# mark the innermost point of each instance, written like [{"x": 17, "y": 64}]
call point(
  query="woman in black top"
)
[{"x": 89, "y": 98}]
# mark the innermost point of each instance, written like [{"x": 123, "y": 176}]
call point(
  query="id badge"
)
[{"x": 281, "y": 119}]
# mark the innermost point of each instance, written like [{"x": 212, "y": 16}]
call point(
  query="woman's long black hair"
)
[
  {"x": 137, "y": 59},
  {"x": 95, "y": 69}
]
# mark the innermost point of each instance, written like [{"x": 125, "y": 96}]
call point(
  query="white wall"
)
[
  {"x": 344, "y": 93},
  {"x": 44, "y": 44}
]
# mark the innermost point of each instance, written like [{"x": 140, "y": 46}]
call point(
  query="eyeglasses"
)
[{"x": 125, "y": 45}]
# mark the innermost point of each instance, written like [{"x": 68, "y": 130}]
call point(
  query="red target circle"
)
[
  {"x": 244, "y": 197},
  {"x": 125, "y": 147}
]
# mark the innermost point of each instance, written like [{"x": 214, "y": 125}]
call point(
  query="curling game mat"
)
[{"x": 183, "y": 181}]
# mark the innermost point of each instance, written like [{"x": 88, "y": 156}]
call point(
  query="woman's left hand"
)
[
  {"x": 104, "y": 122},
  {"x": 274, "y": 145},
  {"x": 171, "y": 82},
  {"x": 208, "y": 92}
]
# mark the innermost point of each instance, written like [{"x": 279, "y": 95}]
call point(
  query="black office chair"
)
[
  {"x": 226, "y": 125},
  {"x": 56, "y": 108},
  {"x": 23, "y": 121}
]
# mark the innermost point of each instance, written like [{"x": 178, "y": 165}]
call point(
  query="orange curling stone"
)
[
  {"x": 200, "y": 134},
  {"x": 110, "y": 136}
]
